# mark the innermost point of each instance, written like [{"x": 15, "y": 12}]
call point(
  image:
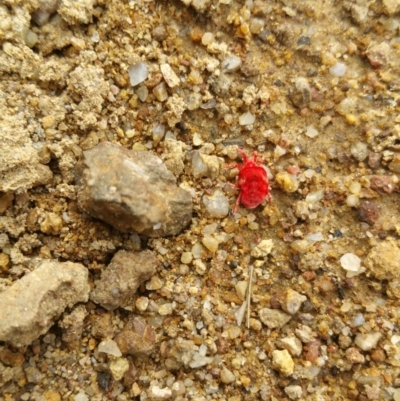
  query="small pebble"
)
[
  {"x": 186, "y": 257},
  {"x": 294, "y": 392},
  {"x": 165, "y": 309},
  {"x": 350, "y": 262},
  {"x": 273, "y": 318},
  {"x": 138, "y": 73},
  {"x": 292, "y": 344},
  {"x": 160, "y": 92},
  {"x": 263, "y": 249},
  {"x": 118, "y": 368},
  {"x": 359, "y": 151},
  {"x": 207, "y": 39},
  {"x": 142, "y": 303},
  {"x": 210, "y": 243},
  {"x": 311, "y": 132},
  {"x": 169, "y": 75},
  {"x": 231, "y": 64},
  {"x": 283, "y": 362},
  {"x": 367, "y": 341},
  {"x": 287, "y": 182},
  {"x": 81, "y": 397},
  {"x": 338, "y": 69},
  {"x": 217, "y": 204},
  {"x": 292, "y": 301},
  {"x": 301, "y": 245},
  {"x": 246, "y": 119},
  {"x": 109, "y": 347}
]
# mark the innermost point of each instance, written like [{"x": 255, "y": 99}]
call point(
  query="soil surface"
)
[{"x": 297, "y": 299}]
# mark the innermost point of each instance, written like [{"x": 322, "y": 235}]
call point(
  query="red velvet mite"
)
[{"x": 252, "y": 182}]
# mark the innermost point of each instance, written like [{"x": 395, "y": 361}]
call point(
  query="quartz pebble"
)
[
  {"x": 81, "y": 397},
  {"x": 160, "y": 92},
  {"x": 216, "y": 204},
  {"x": 367, "y": 341},
  {"x": 186, "y": 257},
  {"x": 359, "y": 150},
  {"x": 338, "y": 69},
  {"x": 207, "y": 38},
  {"x": 311, "y": 132},
  {"x": 231, "y": 64},
  {"x": 246, "y": 119},
  {"x": 110, "y": 347},
  {"x": 350, "y": 262},
  {"x": 227, "y": 376},
  {"x": 138, "y": 73},
  {"x": 158, "y": 393},
  {"x": 210, "y": 243},
  {"x": 142, "y": 303}
]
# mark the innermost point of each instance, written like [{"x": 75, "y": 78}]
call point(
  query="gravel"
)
[{"x": 294, "y": 299}]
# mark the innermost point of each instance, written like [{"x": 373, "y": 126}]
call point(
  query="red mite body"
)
[{"x": 252, "y": 182}]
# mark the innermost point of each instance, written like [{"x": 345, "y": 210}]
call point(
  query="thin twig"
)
[{"x": 249, "y": 296}]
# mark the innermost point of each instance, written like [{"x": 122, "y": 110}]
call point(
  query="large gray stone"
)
[{"x": 132, "y": 191}]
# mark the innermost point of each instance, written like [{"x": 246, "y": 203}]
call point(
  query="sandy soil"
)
[{"x": 313, "y": 87}]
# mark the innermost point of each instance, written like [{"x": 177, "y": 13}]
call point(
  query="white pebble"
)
[
  {"x": 367, "y": 341},
  {"x": 138, "y": 73},
  {"x": 158, "y": 133},
  {"x": 231, "y": 63},
  {"x": 311, "y": 132},
  {"x": 197, "y": 249},
  {"x": 352, "y": 201},
  {"x": 166, "y": 309},
  {"x": 338, "y": 70},
  {"x": 350, "y": 262},
  {"x": 109, "y": 347},
  {"x": 81, "y": 397},
  {"x": 314, "y": 237},
  {"x": 207, "y": 38},
  {"x": 216, "y": 204},
  {"x": 246, "y": 119},
  {"x": 316, "y": 196},
  {"x": 210, "y": 243},
  {"x": 186, "y": 257}
]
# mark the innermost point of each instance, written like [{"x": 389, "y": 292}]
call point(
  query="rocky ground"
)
[{"x": 124, "y": 273}]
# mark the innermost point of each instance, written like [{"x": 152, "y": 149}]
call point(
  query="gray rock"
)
[
  {"x": 122, "y": 277},
  {"x": 30, "y": 306},
  {"x": 132, "y": 191},
  {"x": 273, "y": 318}
]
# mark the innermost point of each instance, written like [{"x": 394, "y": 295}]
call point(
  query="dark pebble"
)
[{"x": 368, "y": 212}]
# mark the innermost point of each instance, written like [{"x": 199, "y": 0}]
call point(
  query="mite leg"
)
[
  {"x": 237, "y": 203},
  {"x": 243, "y": 153}
]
